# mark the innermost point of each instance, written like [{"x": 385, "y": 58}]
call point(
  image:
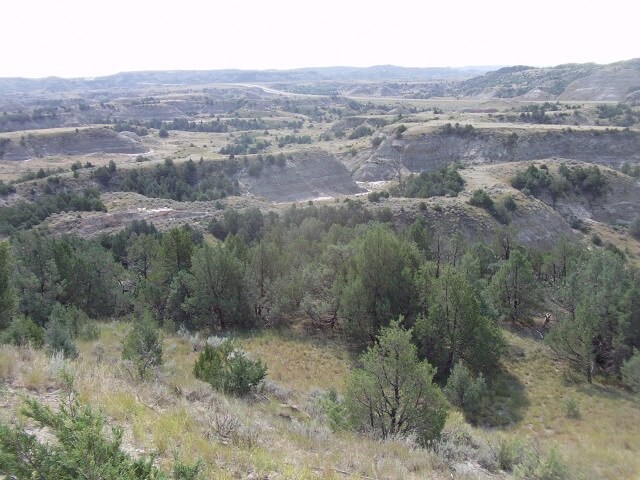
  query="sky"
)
[{"x": 85, "y": 38}]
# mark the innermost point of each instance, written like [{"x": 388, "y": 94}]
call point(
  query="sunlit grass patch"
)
[
  {"x": 7, "y": 362},
  {"x": 34, "y": 373},
  {"x": 301, "y": 364},
  {"x": 169, "y": 429},
  {"x": 604, "y": 442}
]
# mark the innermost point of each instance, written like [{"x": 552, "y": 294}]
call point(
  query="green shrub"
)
[
  {"x": 501, "y": 214},
  {"x": 59, "y": 338},
  {"x": 509, "y": 453},
  {"x": 76, "y": 321},
  {"x": 335, "y": 410},
  {"x": 360, "y": 131},
  {"x": 23, "y": 331},
  {"x": 481, "y": 199},
  {"x": 375, "y": 197},
  {"x": 534, "y": 466},
  {"x": 465, "y": 392},
  {"x": 631, "y": 372},
  {"x": 510, "y": 204},
  {"x": 227, "y": 369},
  {"x": 533, "y": 179},
  {"x": 81, "y": 449},
  {"x": 143, "y": 345},
  {"x": 572, "y": 408},
  {"x": 440, "y": 182}
]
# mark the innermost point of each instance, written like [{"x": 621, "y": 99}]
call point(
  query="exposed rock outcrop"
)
[
  {"x": 71, "y": 142},
  {"x": 605, "y": 147},
  {"x": 311, "y": 174}
]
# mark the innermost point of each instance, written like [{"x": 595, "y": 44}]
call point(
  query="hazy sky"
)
[{"x": 88, "y": 38}]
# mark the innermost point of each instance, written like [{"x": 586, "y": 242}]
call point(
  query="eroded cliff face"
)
[
  {"x": 308, "y": 175},
  {"x": 610, "y": 148},
  {"x": 72, "y": 142},
  {"x": 619, "y": 205}
]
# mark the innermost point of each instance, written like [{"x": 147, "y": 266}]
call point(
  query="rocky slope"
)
[
  {"x": 393, "y": 156},
  {"x": 577, "y": 82},
  {"x": 69, "y": 142},
  {"x": 307, "y": 175}
]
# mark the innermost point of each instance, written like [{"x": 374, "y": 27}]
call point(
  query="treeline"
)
[
  {"x": 188, "y": 181},
  {"x": 538, "y": 113},
  {"x": 244, "y": 144},
  {"x": 440, "y": 182},
  {"x": 621, "y": 114},
  {"x": 186, "y": 125},
  {"x": 340, "y": 269},
  {"x": 580, "y": 180},
  {"x": 23, "y": 215},
  {"x": 458, "y": 130},
  {"x": 294, "y": 140},
  {"x": 185, "y": 182}
]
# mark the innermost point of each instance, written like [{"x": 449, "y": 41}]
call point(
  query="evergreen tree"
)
[
  {"x": 7, "y": 293},
  {"x": 380, "y": 284},
  {"x": 466, "y": 392},
  {"x": 455, "y": 327},
  {"x": 393, "y": 394},
  {"x": 143, "y": 345},
  {"x": 514, "y": 289},
  {"x": 217, "y": 296}
]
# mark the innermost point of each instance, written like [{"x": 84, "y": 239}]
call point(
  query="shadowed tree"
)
[
  {"x": 514, "y": 290},
  {"x": 455, "y": 327},
  {"x": 7, "y": 294},
  {"x": 217, "y": 294},
  {"x": 380, "y": 284}
]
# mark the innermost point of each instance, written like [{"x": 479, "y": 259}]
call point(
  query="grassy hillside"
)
[{"x": 283, "y": 432}]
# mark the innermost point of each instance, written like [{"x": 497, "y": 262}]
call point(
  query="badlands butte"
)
[{"x": 274, "y": 138}]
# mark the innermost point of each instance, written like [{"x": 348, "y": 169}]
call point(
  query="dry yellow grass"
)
[
  {"x": 299, "y": 363},
  {"x": 7, "y": 363},
  {"x": 604, "y": 442},
  {"x": 175, "y": 414}
]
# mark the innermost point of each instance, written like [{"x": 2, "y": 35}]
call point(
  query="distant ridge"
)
[
  {"x": 619, "y": 81},
  {"x": 192, "y": 77}
]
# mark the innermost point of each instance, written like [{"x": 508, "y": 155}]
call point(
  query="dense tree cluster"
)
[
  {"x": 459, "y": 130},
  {"x": 187, "y": 181},
  {"x": 440, "y": 182},
  {"x": 183, "y": 124},
  {"x": 22, "y": 215},
  {"x": 245, "y": 144},
  {"x": 341, "y": 269},
  {"x": 588, "y": 181},
  {"x": 621, "y": 114},
  {"x": 294, "y": 139}
]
